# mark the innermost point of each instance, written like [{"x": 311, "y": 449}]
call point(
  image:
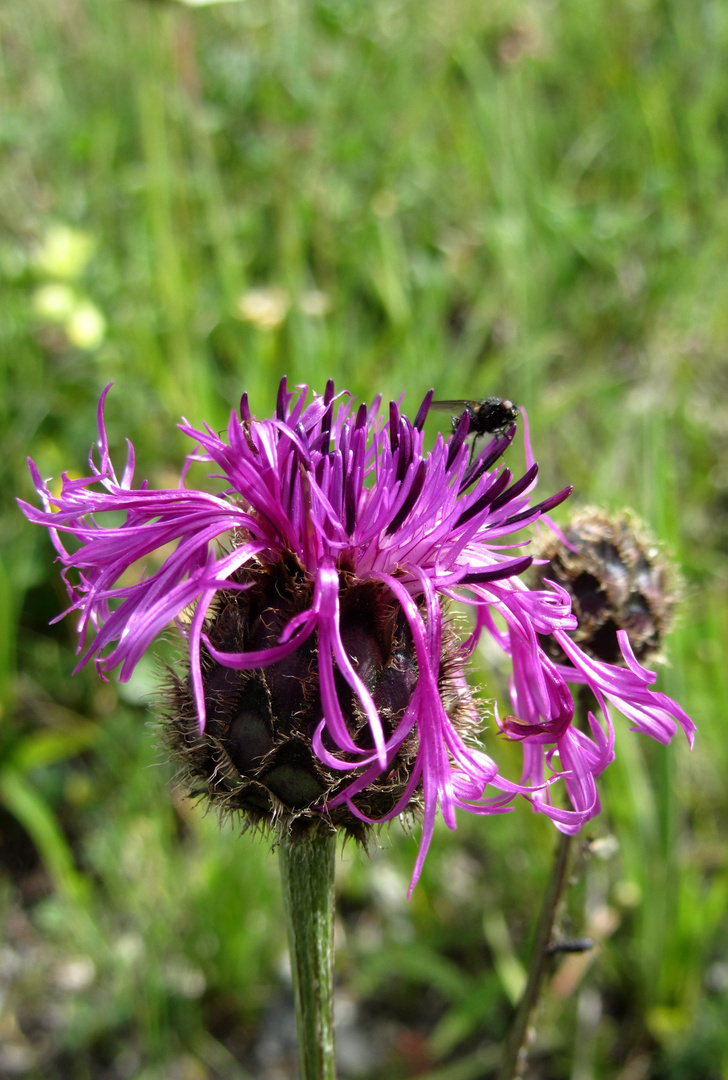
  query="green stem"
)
[
  {"x": 307, "y": 879},
  {"x": 514, "y": 1050}
]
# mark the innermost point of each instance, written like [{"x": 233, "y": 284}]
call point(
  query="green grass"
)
[{"x": 517, "y": 198}]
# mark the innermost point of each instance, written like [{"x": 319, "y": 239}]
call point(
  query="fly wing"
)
[{"x": 456, "y": 405}]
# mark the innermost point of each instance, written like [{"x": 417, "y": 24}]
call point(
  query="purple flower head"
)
[{"x": 325, "y": 677}]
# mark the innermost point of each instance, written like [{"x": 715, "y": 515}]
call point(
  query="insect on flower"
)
[
  {"x": 322, "y": 675},
  {"x": 491, "y": 416}
]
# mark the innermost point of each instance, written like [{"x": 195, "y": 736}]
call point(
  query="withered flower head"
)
[
  {"x": 618, "y": 578},
  {"x": 323, "y": 678}
]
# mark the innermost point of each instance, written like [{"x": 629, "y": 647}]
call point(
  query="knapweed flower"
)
[{"x": 324, "y": 676}]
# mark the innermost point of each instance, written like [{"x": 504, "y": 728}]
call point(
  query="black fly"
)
[{"x": 491, "y": 416}]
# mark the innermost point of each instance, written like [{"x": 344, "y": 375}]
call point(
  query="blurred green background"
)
[{"x": 523, "y": 197}]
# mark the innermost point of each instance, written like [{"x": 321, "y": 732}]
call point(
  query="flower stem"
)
[
  {"x": 307, "y": 878},
  {"x": 514, "y": 1050}
]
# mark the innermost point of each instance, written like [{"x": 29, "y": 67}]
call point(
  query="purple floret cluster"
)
[{"x": 354, "y": 496}]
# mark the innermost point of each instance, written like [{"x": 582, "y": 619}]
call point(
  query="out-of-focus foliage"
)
[{"x": 524, "y": 198}]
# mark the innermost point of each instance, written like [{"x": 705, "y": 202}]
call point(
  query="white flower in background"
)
[{"x": 265, "y": 308}]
